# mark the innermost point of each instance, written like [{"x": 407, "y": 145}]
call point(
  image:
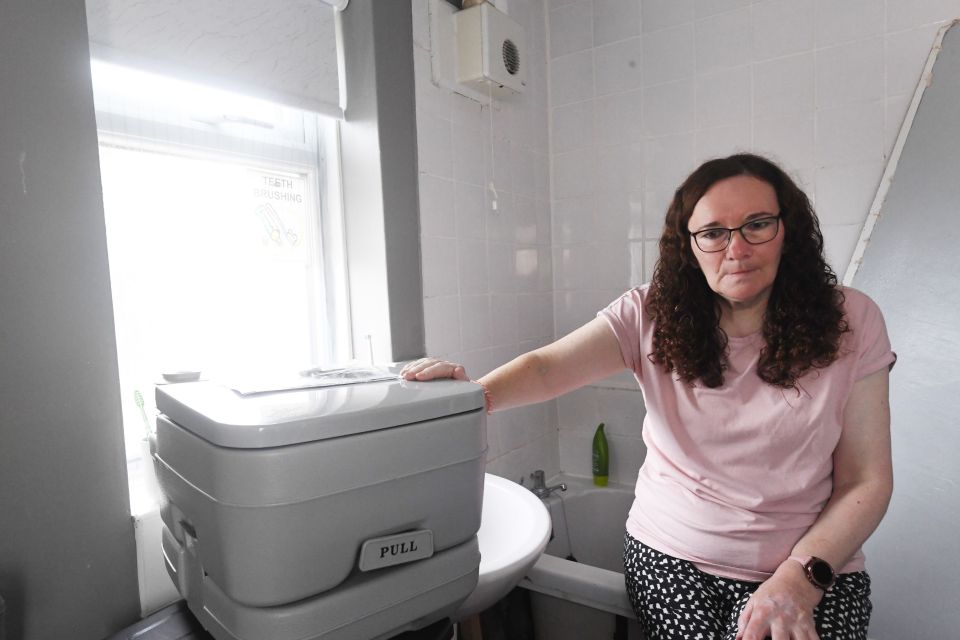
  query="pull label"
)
[{"x": 378, "y": 553}]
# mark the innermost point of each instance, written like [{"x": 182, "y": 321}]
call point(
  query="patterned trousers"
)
[{"x": 672, "y": 599}]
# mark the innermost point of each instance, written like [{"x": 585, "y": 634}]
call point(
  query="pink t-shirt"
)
[{"x": 734, "y": 476}]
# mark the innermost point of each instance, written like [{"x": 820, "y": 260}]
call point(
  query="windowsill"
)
[
  {"x": 156, "y": 588},
  {"x": 144, "y": 492}
]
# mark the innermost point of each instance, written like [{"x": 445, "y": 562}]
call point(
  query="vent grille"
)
[{"x": 511, "y": 57}]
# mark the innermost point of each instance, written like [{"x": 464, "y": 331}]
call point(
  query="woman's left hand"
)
[{"x": 781, "y": 608}]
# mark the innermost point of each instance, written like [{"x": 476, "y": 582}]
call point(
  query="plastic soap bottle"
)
[{"x": 601, "y": 458}]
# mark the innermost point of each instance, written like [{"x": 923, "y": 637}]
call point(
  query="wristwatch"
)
[{"x": 818, "y": 571}]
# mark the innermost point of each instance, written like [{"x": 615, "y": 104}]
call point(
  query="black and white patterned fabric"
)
[{"x": 673, "y": 599}]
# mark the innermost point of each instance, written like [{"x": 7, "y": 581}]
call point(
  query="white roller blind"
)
[{"x": 279, "y": 50}]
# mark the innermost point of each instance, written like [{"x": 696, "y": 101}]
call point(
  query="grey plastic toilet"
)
[{"x": 346, "y": 512}]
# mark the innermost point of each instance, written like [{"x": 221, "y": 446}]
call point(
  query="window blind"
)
[{"x": 279, "y": 50}]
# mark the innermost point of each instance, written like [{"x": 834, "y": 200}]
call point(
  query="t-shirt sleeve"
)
[
  {"x": 870, "y": 335},
  {"x": 624, "y": 315}
]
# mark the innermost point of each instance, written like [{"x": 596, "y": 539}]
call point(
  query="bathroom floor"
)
[{"x": 170, "y": 623}]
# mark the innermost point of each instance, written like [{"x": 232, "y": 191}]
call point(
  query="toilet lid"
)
[{"x": 226, "y": 418}]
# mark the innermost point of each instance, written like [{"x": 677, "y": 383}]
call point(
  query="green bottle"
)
[{"x": 601, "y": 458}]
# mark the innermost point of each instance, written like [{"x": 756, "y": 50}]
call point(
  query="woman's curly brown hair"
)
[{"x": 804, "y": 321}]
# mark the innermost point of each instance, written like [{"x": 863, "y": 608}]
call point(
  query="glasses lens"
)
[
  {"x": 712, "y": 239},
  {"x": 763, "y": 230}
]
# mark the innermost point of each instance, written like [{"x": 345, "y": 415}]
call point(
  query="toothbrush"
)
[{"x": 138, "y": 398}]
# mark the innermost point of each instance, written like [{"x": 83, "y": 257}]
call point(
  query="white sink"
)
[{"x": 514, "y": 530}]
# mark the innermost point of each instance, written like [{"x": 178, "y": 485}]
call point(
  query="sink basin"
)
[{"x": 514, "y": 530}]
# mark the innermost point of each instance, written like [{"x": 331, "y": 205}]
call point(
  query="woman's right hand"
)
[{"x": 433, "y": 368}]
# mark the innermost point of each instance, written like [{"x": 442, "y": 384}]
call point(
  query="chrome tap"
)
[{"x": 540, "y": 488}]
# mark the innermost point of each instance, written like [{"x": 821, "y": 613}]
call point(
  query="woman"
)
[{"x": 767, "y": 428}]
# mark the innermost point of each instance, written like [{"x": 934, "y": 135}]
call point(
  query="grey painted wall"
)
[
  {"x": 67, "y": 558},
  {"x": 380, "y": 186},
  {"x": 911, "y": 269}
]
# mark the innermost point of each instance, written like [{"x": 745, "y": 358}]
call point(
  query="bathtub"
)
[{"x": 583, "y": 598}]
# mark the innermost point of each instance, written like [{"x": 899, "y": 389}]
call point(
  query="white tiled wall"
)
[
  {"x": 624, "y": 99},
  {"x": 579, "y": 414},
  {"x": 487, "y": 273}
]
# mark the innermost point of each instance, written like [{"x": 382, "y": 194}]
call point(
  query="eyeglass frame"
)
[{"x": 730, "y": 231}]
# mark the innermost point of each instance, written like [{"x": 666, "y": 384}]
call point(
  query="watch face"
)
[{"x": 821, "y": 572}]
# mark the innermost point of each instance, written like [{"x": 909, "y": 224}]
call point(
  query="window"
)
[{"x": 224, "y": 236}]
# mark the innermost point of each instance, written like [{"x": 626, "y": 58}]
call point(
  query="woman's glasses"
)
[{"x": 755, "y": 232}]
